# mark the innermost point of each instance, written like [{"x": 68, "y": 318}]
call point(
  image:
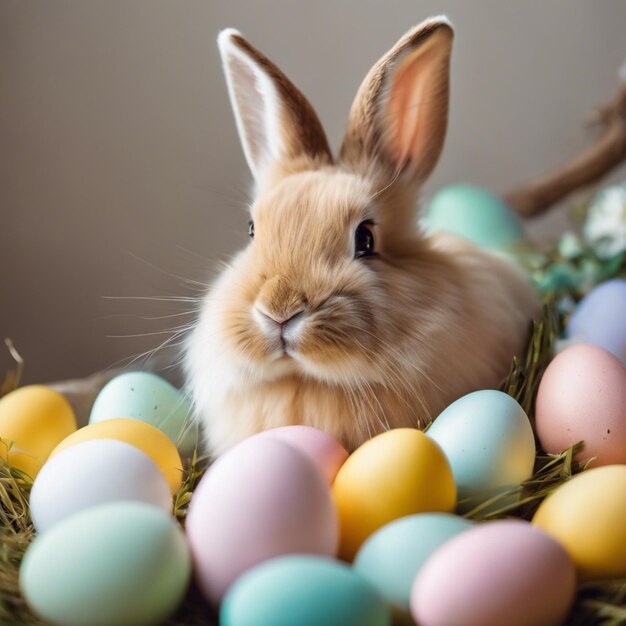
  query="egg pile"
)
[
  {"x": 287, "y": 528},
  {"x": 108, "y": 549}
]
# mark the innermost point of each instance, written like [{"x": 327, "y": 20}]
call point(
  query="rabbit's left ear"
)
[
  {"x": 276, "y": 123},
  {"x": 399, "y": 116}
]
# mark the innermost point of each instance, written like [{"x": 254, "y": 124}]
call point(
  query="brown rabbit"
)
[{"x": 340, "y": 313}]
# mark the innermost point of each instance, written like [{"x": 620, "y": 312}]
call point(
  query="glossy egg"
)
[
  {"x": 600, "y": 318},
  {"x": 397, "y": 473},
  {"x": 475, "y": 214},
  {"x": 261, "y": 499},
  {"x": 489, "y": 442},
  {"x": 33, "y": 420},
  {"x": 92, "y": 473},
  {"x": 148, "y": 439},
  {"x": 582, "y": 397},
  {"x": 392, "y": 557},
  {"x": 587, "y": 516},
  {"x": 122, "y": 564},
  {"x": 147, "y": 397},
  {"x": 303, "y": 590},
  {"x": 504, "y": 572},
  {"x": 325, "y": 451}
]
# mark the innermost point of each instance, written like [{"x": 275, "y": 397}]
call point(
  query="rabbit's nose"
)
[{"x": 273, "y": 322}]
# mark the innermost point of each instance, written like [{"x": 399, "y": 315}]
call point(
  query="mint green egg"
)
[
  {"x": 149, "y": 398},
  {"x": 303, "y": 590},
  {"x": 392, "y": 557},
  {"x": 116, "y": 564},
  {"x": 476, "y": 214},
  {"x": 489, "y": 442}
]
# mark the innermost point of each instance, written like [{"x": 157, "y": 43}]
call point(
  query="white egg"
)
[{"x": 92, "y": 473}]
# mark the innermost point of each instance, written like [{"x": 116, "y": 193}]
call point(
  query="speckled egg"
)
[
  {"x": 33, "y": 420},
  {"x": 303, "y": 590},
  {"x": 261, "y": 499},
  {"x": 116, "y": 564},
  {"x": 582, "y": 397},
  {"x": 397, "y": 473},
  {"x": 488, "y": 439},
  {"x": 587, "y": 515},
  {"x": 93, "y": 473},
  {"x": 147, "y": 397},
  {"x": 505, "y": 572}
]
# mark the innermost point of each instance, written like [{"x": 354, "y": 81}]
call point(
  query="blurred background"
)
[{"x": 122, "y": 181}]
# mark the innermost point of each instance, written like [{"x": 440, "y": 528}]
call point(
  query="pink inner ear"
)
[{"x": 416, "y": 108}]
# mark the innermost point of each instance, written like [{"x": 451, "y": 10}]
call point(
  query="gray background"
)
[{"x": 120, "y": 168}]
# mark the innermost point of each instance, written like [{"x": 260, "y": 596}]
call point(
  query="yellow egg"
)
[
  {"x": 147, "y": 438},
  {"x": 398, "y": 473},
  {"x": 587, "y": 515},
  {"x": 34, "y": 419}
]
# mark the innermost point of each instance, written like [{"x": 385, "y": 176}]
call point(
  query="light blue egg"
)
[
  {"x": 489, "y": 442},
  {"x": 392, "y": 557},
  {"x": 303, "y": 590},
  {"x": 116, "y": 564},
  {"x": 149, "y": 398},
  {"x": 600, "y": 318},
  {"x": 476, "y": 214}
]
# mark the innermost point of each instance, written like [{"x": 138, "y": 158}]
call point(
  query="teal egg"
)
[
  {"x": 303, "y": 590},
  {"x": 391, "y": 558},
  {"x": 116, "y": 564},
  {"x": 147, "y": 397},
  {"x": 476, "y": 214},
  {"x": 489, "y": 442}
]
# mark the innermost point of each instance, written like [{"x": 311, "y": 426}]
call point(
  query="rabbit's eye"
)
[
  {"x": 250, "y": 229},
  {"x": 364, "y": 240}
]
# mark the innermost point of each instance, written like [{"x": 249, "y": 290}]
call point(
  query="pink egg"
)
[
  {"x": 582, "y": 397},
  {"x": 261, "y": 499},
  {"x": 505, "y": 572},
  {"x": 325, "y": 451}
]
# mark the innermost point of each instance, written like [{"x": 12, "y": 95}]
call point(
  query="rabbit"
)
[{"x": 341, "y": 313}]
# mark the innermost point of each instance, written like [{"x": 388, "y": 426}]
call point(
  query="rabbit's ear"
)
[
  {"x": 399, "y": 116},
  {"x": 275, "y": 121}
]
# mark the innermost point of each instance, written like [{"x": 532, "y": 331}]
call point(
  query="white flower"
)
[{"x": 605, "y": 226}]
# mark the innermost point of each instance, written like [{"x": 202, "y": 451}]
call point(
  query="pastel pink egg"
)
[
  {"x": 261, "y": 499},
  {"x": 325, "y": 451},
  {"x": 505, "y": 572},
  {"x": 582, "y": 397}
]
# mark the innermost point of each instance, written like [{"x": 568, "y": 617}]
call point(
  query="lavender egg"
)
[{"x": 261, "y": 499}]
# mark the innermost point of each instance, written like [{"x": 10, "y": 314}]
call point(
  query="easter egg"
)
[
  {"x": 33, "y": 420},
  {"x": 122, "y": 563},
  {"x": 303, "y": 590},
  {"x": 586, "y": 515},
  {"x": 582, "y": 397},
  {"x": 327, "y": 454},
  {"x": 147, "y": 397},
  {"x": 261, "y": 499},
  {"x": 392, "y": 557},
  {"x": 92, "y": 473},
  {"x": 148, "y": 439},
  {"x": 397, "y": 473},
  {"x": 504, "y": 572},
  {"x": 475, "y": 214},
  {"x": 600, "y": 318},
  {"x": 489, "y": 443}
]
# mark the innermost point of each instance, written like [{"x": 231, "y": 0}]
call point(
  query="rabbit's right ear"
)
[
  {"x": 399, "y": 116},
  {"x": 276, "y": 123}
]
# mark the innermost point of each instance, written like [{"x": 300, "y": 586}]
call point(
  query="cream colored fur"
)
[{"x": 378, "y": 342}]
